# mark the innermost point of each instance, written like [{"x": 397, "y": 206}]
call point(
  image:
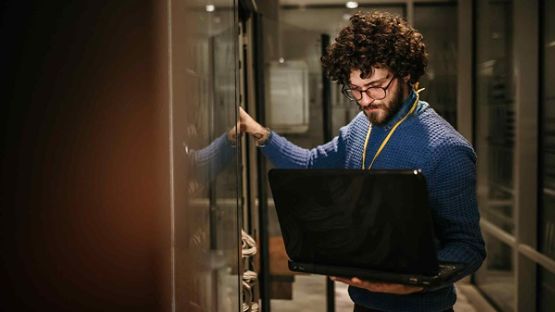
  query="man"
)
[{"x": 378, "y": 58}]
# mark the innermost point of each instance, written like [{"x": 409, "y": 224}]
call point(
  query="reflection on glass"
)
[
  {"x": 496, "y": 276},
  {"x": 438, "y": 24},
  {"x": 547, "y": 213},
  {"x": 547, "y": 290},
  {"x": 206, "y": 224},
  {"x": 495, "y": 112}
]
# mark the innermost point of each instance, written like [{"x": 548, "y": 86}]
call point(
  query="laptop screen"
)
[{"x": 375, "y": 220}]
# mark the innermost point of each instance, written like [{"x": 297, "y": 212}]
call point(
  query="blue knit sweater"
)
[{"x": 423, "y": 141}]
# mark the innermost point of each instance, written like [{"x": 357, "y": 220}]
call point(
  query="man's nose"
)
[{"x": 366, "y": 100}]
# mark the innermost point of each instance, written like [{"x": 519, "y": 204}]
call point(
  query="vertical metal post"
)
[
  {"x": 239, "y": 96},
  {"x": 326, "y": 95},
  {"x": 526, "y": 80},
  {"x": 264, "y": 280},
  {"x": 464, "y": 68},
  {"x": 327, "y": 128},
  {"x": 410, "y": 11}
]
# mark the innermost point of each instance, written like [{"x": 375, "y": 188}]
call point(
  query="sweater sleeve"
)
[
  {"x": 456, "y": 216},
  {"x": 209, "y": 161},
  {"x": 284, "y": 154}
]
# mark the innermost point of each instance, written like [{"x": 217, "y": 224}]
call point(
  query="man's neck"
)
[{"x": 406, "y": 105}]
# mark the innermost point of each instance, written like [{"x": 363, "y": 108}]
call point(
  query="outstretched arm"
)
[{"x": 285, "y": 154}]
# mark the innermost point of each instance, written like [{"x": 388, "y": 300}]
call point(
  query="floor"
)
[{"x": 309, "y": 296}]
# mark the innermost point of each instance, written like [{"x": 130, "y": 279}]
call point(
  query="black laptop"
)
[{"x": 375, "y": 225}]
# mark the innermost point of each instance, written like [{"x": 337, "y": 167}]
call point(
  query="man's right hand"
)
[{"x": 249, "y": 125}]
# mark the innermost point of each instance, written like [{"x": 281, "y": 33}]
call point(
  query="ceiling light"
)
[
  {"x": 351, "y": 4},
  {"x": 210, "y": 8}
]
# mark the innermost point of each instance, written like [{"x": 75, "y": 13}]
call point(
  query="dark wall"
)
[{"x": 85, "y": 213}]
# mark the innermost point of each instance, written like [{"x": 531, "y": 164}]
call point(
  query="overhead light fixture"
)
[
  {"x": 210, "y": 8},
  {"x": 351, "y": 4}
]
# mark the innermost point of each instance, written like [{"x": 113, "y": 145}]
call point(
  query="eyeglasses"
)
[{"x": 375, "y": 93}]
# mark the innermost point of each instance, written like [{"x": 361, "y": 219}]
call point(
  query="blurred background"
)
[{"x": 123, "y": 187}]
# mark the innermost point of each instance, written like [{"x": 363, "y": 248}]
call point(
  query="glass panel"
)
[
  {"x": 496, "y": 276},
  {"x": 495, "y": 112},
  {"x": 206, "y": 223},
  {"x": 438, "y": 24},
  {"x": 547, "y": 212},
  {"x": 546, "y": 295}
]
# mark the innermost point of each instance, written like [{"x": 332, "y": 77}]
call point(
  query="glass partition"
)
[
  {"x": 438, "y": 24},
  {"x": 497, "y": 275},
  {"x": 546, "y": 218},
  {"x": 546, "y": 291},
  {"x": 495, "y": 134},
  {"x": 495, "y": 112},
  {"x": 547, "y": 211},
  {"x": 206, "y": 231}
]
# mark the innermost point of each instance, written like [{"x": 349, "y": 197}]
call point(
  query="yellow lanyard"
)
[{"x": 412, "y": 109}]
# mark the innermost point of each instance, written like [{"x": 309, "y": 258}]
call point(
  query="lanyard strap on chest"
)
[{"x": 412, "y": 109}]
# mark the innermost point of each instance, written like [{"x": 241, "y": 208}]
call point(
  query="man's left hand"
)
[{"x": 388, "y": 288}]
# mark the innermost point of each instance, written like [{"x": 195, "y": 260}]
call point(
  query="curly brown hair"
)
[{"x": 376, "y": 39}]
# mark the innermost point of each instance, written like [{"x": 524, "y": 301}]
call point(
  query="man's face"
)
[{"x": 381, "y": 111}]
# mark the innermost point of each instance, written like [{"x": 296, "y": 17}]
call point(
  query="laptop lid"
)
[{"x": 376, "y": 220}]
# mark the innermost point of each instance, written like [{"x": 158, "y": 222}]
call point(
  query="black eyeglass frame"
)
[{"x": 348, "y": 92}]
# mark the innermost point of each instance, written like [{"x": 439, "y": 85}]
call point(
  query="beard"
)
[{"x": 385, "y": 110}]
